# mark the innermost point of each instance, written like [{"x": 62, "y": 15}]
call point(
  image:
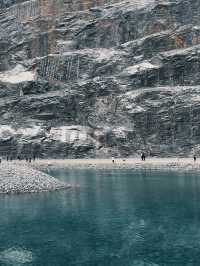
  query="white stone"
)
[{"x": 17, "y": 75}]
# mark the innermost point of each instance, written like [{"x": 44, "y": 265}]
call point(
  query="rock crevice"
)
[{"x": 95, "y": 78}]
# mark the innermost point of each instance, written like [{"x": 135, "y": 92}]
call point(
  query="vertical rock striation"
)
[{"x": 95, "y": 78}]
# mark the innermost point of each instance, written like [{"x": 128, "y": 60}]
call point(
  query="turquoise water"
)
[{"x": 113, "y": 218}]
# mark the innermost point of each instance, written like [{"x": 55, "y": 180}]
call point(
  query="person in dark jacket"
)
[{"x": 143, "y": 157}]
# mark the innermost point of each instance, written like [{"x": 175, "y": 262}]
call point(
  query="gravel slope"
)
[{"x": 21, "y": 178}]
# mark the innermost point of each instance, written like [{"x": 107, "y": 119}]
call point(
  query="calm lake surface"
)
[{"x": 117, "y": 218}]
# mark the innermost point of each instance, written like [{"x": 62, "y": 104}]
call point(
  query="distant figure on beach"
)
[
  {"x": 195, "y": 158},
  {"x": 143, "y": 157},
  {"x": 113, "y": 159},
  {"x": 30, "y": 160},
  {"x": 21, "y": 93},
  {"x": 34, "y": 158}
]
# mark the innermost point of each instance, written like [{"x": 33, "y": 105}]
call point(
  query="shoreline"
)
[
  {"x": 180, "y": 164},
  {"x": 24, "y": 177}
]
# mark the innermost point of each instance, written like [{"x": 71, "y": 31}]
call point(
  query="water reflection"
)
[{"x": 112, "y": 218}]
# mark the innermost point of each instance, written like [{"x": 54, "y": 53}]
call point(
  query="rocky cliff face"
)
[{"x": 99, "y": 77}]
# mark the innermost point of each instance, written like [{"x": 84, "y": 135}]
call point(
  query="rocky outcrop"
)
[{"x": 95, "y": 78}]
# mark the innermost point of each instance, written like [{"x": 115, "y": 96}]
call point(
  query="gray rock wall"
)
[{"x": 99, "y": 78}]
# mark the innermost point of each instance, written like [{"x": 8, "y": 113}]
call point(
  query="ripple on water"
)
[
  {"x": 16, "y": 256},
  {"x": 143, "y": 263}
]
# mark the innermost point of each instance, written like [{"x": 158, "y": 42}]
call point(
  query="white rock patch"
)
[
  {"x": 144, "y": 66},
  {"x": 17, "y": 75},
  {"x": 16, "y": 256}
]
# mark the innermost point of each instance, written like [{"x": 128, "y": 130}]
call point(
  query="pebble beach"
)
[
  {"x": 24, "y": 177},
  {"x": 20, "y": 177},
  {"x": 180, "y": 164}
]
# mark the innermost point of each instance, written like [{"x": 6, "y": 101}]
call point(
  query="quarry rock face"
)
[{"x": 98, "y": 78}]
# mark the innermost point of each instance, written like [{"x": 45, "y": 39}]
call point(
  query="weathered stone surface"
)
[{"x": 95, "y": 78}]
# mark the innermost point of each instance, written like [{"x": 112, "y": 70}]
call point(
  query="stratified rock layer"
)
[{"x": 95, "y": 78}]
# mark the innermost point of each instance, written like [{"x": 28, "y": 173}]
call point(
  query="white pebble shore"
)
[
  {"x": 22, "y": 178},
  {"x": 152, "y": 163}
]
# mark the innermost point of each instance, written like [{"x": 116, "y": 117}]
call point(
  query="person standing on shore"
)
[
  {"x": 113, "y": 160},
  {"x": 143, "y": 157},
  {"x": 195, "y": 158}
]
